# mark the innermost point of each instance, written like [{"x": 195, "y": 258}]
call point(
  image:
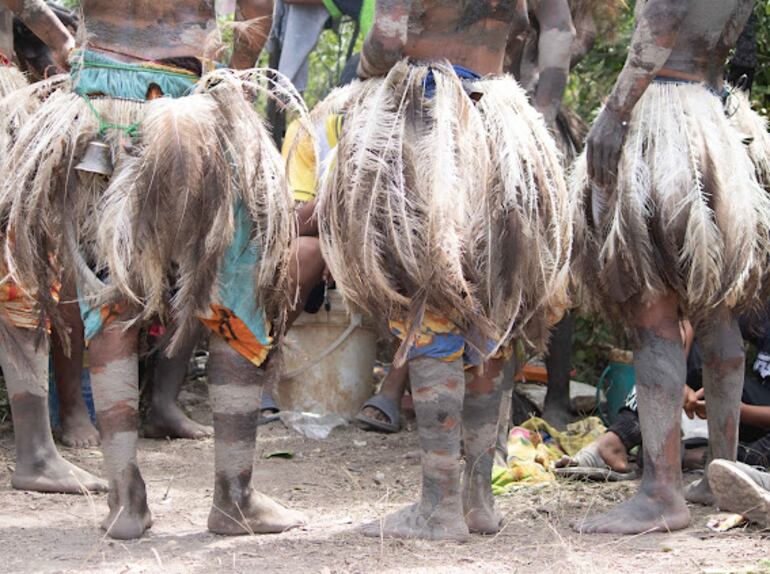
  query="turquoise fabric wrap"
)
[{"x": 95, "y": 73}]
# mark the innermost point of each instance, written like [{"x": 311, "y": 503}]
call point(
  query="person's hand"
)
[
  {"x": 604, "y": 146},
  {"x": 62, "y": 54},
  {"x": 695, "y": 403}
]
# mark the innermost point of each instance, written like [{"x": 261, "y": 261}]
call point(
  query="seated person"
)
[{"x": 612, "y": 449}]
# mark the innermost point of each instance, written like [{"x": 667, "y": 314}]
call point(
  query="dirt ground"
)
[{"x": 351, "y": 478}]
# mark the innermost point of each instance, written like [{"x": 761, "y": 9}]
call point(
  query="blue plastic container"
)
[{"x": 53, "y": 398}]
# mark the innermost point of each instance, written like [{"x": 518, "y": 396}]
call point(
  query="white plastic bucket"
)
[{"x": 329, "y": 362}]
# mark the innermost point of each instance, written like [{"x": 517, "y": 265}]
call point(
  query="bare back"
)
[
  {"x": 471, "y": 33},
  {"x": 6, "y": 33},
  {"x": 708, "y": 32},
  {"x": 150, "y": 29}
]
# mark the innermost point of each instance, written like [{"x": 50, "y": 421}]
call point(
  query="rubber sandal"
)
[
  {"x": 387, "y": 407},
  {"x": 268, "y": 404}
]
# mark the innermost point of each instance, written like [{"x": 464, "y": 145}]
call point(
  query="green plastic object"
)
[
  {"x": 616, "y": 381},
  {"x": 331, "y": 7}
]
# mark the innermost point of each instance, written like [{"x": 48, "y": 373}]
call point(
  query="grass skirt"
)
[
  {"x": 453, "y": 203},
  {"x": 688, "y": 214},
  {"x": 159, "y": 226}
]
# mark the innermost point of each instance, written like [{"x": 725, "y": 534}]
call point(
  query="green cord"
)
[{"x": 130, "y": 130}]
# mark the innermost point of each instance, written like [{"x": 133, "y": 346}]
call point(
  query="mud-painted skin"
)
[
  {"x": 450, "y": 404},
  {"x": 473, "y": 34},
  {"x": 39, "y": 466},
  {"x": 38, "y": 18},
  {"x": 76, "y": 427},
  {"x": 469, "y": 33},
  {"x": 165, "y": 418},
  {"x": 724, "y": 360},
  {"x": 682, "y": 39},
  {"x": 544, "y": 54},
  {"x": 152, "y": 30},
  {"x": 687, "y": 40},
  {"x": 249, "y": 42}
]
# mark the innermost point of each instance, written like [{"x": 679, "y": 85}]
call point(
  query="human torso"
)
[
  {"x": 150, "y": 29},
  {"x": 706, "y": 35},
  {"x": 470, "y": 33},
  {"x": 6, "y": 33}
]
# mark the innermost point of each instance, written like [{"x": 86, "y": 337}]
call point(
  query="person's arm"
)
[
  {"x": 657, "y": 28},
  {"x": 39, "y": 18},
  {"x": 585, "y": 38},
  {"x": 384, "y": 44},
  {"x": 249, "y": 37},
  {"x": 755, "y": 416},
  {"x": 307, "y": 222},
  {"x": 554, "y": 50}
]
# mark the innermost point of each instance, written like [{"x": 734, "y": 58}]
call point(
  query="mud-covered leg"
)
[
  {"x": 39, "y": 466},
  {"x": 234, "y": 392},
  {"x": 504, "y": 417},
  {"x": 559, "y": 364},
  {"x": 721, "y": 346},
  {"x": 438, "y": 388},
  {"x": 481, "y": 411},
  {"x": 115, "y": 382},
  {"x": 165, "y": 417},
  {"x": 76, "y": 427},
  {"x": 660, "y": 376}
]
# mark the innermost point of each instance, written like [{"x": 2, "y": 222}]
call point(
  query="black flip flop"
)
[
  {"x": 268, "y": 404},
  {"x": 387, "y": 407}
]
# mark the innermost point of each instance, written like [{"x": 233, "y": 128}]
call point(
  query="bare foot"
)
[
  {"x": 699, "y": 492},
  {"x": 639, "y": 515},
  {"x": 171, "y": 422},
  {"x": 483, "y": 520},
  {"x": 55, "y": 474},
  {"x": 129, "y": 515},
  {"x": 412, "y": 522},
  {"x": 259, "y": 514},
  {"x": 613, "y": 452},
  {"x": 481, "y": 515},
  {"x": 77, "y": 431}
]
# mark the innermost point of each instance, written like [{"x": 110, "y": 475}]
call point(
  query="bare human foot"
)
[
  {"x": 413, "y": 522},
  {"x": 170, "y": 421},
  {"x": 129, "y": 515},
  {"x": 699, "y": 492},
  {"x": 259, "y": 514},
  {"x": 641, "y": 514},
  {"x": 483, "y": 520},
  {"x": 77, "y": 431},
  {"x": 53, "y": 473},
  {"x": 613, "y": 452}
]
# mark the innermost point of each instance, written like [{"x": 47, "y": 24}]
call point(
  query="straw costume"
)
[
  {"x": 194, "y": 223},
  {"x": 687, "y": 214},
  {"x": 444, "y": 209}
]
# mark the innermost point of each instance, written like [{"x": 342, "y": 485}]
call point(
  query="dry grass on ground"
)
[{"x": 340, "y": 483}]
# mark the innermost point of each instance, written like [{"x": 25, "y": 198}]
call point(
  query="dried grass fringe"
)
[
  {"x": 163, "y": 221},
  {"x": 447, "y": 205},
  {"x": 688, "y": 214}
]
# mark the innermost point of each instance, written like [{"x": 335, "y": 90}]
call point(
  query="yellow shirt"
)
[{"x": 299, "y": 155}]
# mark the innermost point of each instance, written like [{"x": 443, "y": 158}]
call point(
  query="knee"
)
[{"x": 660, "y": 317}]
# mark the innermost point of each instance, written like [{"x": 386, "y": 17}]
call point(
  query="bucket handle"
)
[
  {"x": 355, "y": 321},
  {"x": 599, "y": 388}
]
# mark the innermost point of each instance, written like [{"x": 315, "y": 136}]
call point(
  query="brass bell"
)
[{"x": 97, "y": 159}]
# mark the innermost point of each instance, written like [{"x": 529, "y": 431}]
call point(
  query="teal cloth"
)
[
  {"x": 235, "y": 284},
  {"x": 96, "y": 73},
  {"x": 236, "y": 277}
]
